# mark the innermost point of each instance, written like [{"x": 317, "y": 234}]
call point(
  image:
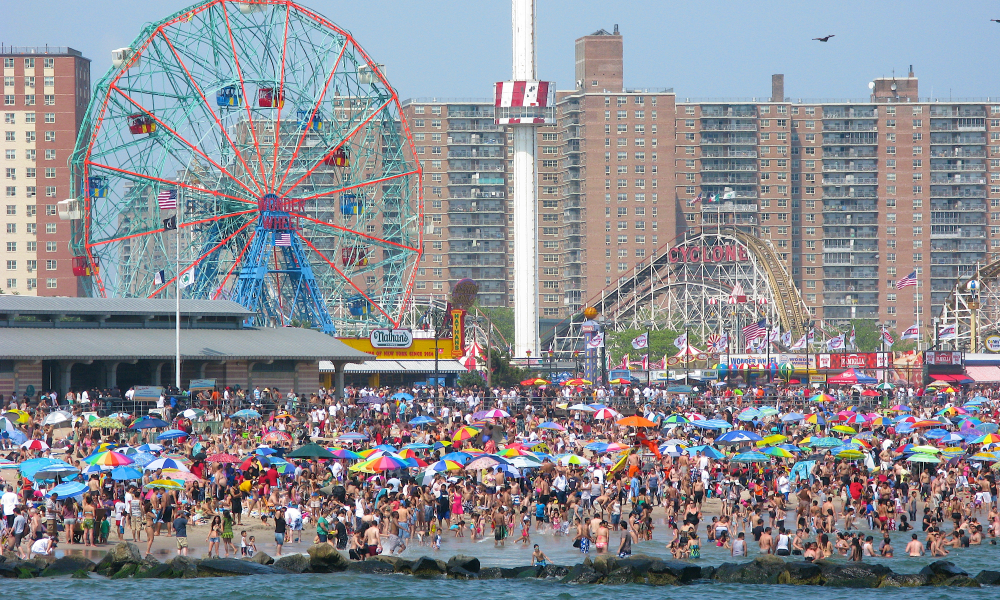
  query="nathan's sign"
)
[
  {"x": 708, "y": 254},
  {"x": 391, "y": 338}
]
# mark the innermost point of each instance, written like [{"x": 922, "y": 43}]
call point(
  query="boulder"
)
[
  {"x": 233, "y": 567},
  {"x": 988, "y": 577},
  {"x": 640, "y": 564},
  {"x": 67, "y": 565},
  {"x": 940, "y": 570},
  {"x": 904, "y": 580},
  {"x": 763, "y": 569},
  {"x": 853, "y": 575},
  {"x": 183, "y": 567},
  {"x": 554, "y": 571},
  {"x": 461, "y": 573},
  {"x": 262, "y": 558},
  {"x": 428, "y": 567},
  {"x": 123, "y": 553},
  {"x": 681, "y": 571},
  {"x": 605, "y": 563},
  {"x": 81, "y": 574},
  {"x": 293, "y": 563},
  {"x": 157, "y": 571},
  {"x": 528, "y": 572},
  {"x": 27, "y": 570},
  {"x": 125, "y": 572},
  {"x": 8, "y": 569},
  {"x": 801, "y": 573},
  {"x": 370, "y": 567},
  {"x": 620, "y": 576},
  {"x": 491, "y": 573},
  {"x": 707, "y": 572},
  {"x": 960, "y": 581},
  {"x": 324, "y": 558},
  {"x": 469, "y": 563},
  {"x": 512, "y": 572},
  {"x": 581, "y": 574},
  {"x": 399, "y": 564}
]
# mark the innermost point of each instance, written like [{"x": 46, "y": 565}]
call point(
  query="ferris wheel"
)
[{"x": 250, "y": 151}]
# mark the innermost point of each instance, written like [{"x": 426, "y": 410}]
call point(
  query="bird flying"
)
[{"x": 825, "y": 38}]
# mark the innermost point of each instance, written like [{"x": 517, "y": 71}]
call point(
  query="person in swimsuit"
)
[
  {"x": 538, "y": 558},
  {"x": 602, "y": 537}
]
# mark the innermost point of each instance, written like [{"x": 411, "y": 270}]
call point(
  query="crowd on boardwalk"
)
[{"x": 788, "y": 470}]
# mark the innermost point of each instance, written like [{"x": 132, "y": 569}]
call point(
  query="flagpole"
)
[
  {"x": 916, "y": 299},
  {"x": 177, "y": 315}
]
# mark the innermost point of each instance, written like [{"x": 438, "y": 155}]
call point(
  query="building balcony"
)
[
  {"x": 473, "y": 166},
  {"x": 471, "y": 206},
  {"x": 452, "y": 126},
  {"x": 484, "y": 113},
  {"x": 477, "y": 261},
  {"x": 846, "y": 274},
  {"x": 847, "y": 167},
  {"x": 728, "y": 166},
  {"x": 729, "y": 127},
  {"x": 477, "y": 221},
  {"x": 857, "y": 139},
  {"x": 851, "y": 153},
  {"x": 476, "y": 194},
  {"x": 848, "y": 233},
  {"x": 840, "y": 286},
  {"x": 728, "y": 112},
  {"x": 841, "y": 126},
  {"x": 728, "y": 207},
  {"x": 728, "y": 140},
  {"x": 728, "y": 153},
  {"x": 954, "y": 246},
  {"x": 945, "y": 192},
  {"x": 848, "y": 259},
  {"x": 849, "y": 219},
  {"x": 476, "y": 181},
  {"x": 840, "y": 193},
  {"x": 959, "y": 206},
  {"x": 956, "y": 260},
  {"x": 958, "y": 152},
  {"x": 947, "y": 218},
  {"x": 848, "y": 299},
  {"x": 961, "y": 166},
  {"x": 476, "y": 153},
  {"x": 958, "y": 179},
  {"x": 851, "y": 245},
  {"x": 478, "y": 274},
  {"x": 849, "y": 312},
  {"x": 956, "y": 111},
  {"x": 958, "y": 125},
  {"x": 850, "y": 180},
  {"x": 476, "y": 140},
  {"x": 729, "y": 179},
  {"x": 958, "y": 139},
  {"x": 957, "y": 231},
  {"x": 850, "y": 113}
]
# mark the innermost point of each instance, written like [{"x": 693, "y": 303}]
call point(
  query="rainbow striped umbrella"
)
[
  {"x": 387, "y": 462},
  {"x": 445, "y": 465},
  {"x": 109, "y": 459},
  {"x": 822, "y": 398},
  {"x": 342, "y": 453},
  {"x": 465, "y": 433}
]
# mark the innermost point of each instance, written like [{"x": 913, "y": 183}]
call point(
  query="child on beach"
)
[
  {"x": 252, "y": 546},
  {"x": 244, "y": 547}
]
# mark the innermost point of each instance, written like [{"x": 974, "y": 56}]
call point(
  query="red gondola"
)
[
  {"x": 82, "y": 268},
  {"x": 338, "y": 158},
  {"x": 271, "y": 97},
  {"x": 140, "y": 124},
  {"x": 354, "y": 256}
]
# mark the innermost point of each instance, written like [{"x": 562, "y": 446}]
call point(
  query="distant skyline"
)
[{"x": 451, "y": 49}]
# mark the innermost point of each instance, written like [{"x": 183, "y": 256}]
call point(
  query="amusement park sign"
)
[
  {"x": 708, "y": 254},
  {"x": 391, "y": 338}
]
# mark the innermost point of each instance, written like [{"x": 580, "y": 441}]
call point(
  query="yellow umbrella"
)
[
  {"x": 465, "y": 433},
  {"x": 18, "y": 416},
  {"x": 844, "y": 429},
  {"x": 771, "y": 440}
]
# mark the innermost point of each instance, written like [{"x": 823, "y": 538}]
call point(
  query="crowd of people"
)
[{"x": 799, "y": 471}]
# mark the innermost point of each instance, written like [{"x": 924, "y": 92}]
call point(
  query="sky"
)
[{"x": 721, "y": 49}]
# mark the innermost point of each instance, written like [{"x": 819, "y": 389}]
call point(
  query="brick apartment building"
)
[
  {"x": 45, "y": 95},
  {"x": 853, "y": 195}
]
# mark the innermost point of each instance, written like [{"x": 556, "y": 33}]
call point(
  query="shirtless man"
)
[
  {"x": 393, "y": 540},
  {"x": 372, "y": 538},
  {"x": 766, "y": 541}
]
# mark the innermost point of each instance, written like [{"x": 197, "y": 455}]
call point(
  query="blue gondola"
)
[
  {"x": 229, "y": 96},
  {"x": 97, "y": 186},
  {"x": 358, "y": 306},
  {"x": 352, "y": 204},
  {"x": 310, "y": 121}
]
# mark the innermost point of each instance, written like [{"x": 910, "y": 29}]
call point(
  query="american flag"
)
[
  {"x": 283, "y": 239},
  {"x": 167, "y": 199},
  {"x": 755, "y": 330},
  {"x": 907, "y": 281}
]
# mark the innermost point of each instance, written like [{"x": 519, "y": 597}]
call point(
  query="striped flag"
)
[
  {"x": 755, "y": 330},
  {"x": 167, "y": 199},
  {"x": 887, "y": 337},
  {"x": 911, "y": 333},
  {"x": 907, "y": 281},
  {"x": 283, "y": 239}
]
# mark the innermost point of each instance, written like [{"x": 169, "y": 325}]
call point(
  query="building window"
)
[{"x": 51, "y": 283}]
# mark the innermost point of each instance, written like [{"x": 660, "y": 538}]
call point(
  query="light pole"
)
[
  {"x": 576, "y": 362},
  {"x": 649, "y": 334},
  {"x": 687, "y": 355},
  {"x": 552, "y": 354},
  {"x": 602, "y": 324}
]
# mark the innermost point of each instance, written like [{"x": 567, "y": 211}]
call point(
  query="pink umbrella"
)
[{"x": 496, "y": 413}]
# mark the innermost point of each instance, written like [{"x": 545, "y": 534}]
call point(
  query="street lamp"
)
[
  {"x": 576, "y": 362},
  {"x": 602, "y": 322},
  {"x": 552, "y": 354}
]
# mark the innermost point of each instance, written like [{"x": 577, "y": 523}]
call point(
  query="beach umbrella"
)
[
  {"x": 223, "y": 458},
  {"x": 172, "y": 434},
  {"x": 738, "y": 436},
  {"x": 984, "y": 456},
  {"x": 851, "y": 377},
  {"x": 816, "y": 419},
  {"x": 465, "y": 433},
  {"x": 768, "y": 411},
  {"x": 141, "y": 459},
  {"x": 772, "y": 439},
  {"x": 35, "y": 445},
  {"x": 989, "y": 438},
  {"x": 18, "y": 416},
  {"x": 551, "y": 425},
  {"x": 459, "y": 457},
  {"x": 59, "y": 416},
  {"x": 107, "y": 423},
  {"x": 51, "y": 472},
  {"x": 822, "y": 398},
  {"x": 444, "y": 465},
  {"x": 636, "y": 421},
  {"x": 407, "y": 453},
  {"x": 925, "y": 449},
  {"x": 165, "y": 484},
  {"x": 900, "y": 408},
  {"x": 387, "y": 462},
  {"x": 422, "y": 420},
  {"x": 165, "y": 463},
  {"x": 70, "y": 489},
  {"x": 401, "y": 396},
  {"x": 577, "y": 381},
  {"x": 751, "y": 457},
  {"x": 920, "y": 457},
  {"x": 792, "y": 416},
  {"x": 352, "y": 437},
  {"x": 606, "y": 414},
  {"x": 496, "y": 413},
  {"x": 825, "y": 442},
  {"x": 926, "y": 423},
  {"x": 371, "y": 400},
  {"x": 485, "y": 462},
  {"x": 672, "y": 449},
  {"x": 527, "y": 461},
  {"x": 572, "y": 459},
  {"x": 276, "y": 437},
  {"x": 148, "y": 423},
  {"x": 387, "y": 448},
  {"x": 150, "y": 448},
  {"x": 536, "y": 381},
  {"x": 778, "y": 452},
  {"x": 311, "y": 450},
  {"x": 850, "y": 454},
  {"x": 344, "y": 454},
  {"x": 246, "y": 413},
  {"x": 844, "y": 429},
  {"x": 125, "y": 473},
  {"x": 885, "y": 385},
  {"x": 708, "y": 451},
  {"x": 853, "y": 419},
  {"x": 109, "y": 459},
  {"x": 177, "y": 475},
  {"x": 676, "y": 420},
  {"x": 596, "y": 447},
  {"x": 583, "y": 407},
  {"x": 620, "y": 381}
]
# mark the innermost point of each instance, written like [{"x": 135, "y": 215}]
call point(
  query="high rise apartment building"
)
[
  {"x": 45, "y": 95},
  {"x": 852, "y": 195}
]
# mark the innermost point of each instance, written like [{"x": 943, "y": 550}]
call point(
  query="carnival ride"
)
[
  {"x": 710, "y": 280},
  {"x": 255, "y": 151}
]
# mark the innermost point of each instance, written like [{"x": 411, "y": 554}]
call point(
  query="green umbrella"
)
[
  {"x": 920, "y": 457},
  {"x": 884, "y": 386},
  {"x": 311, "y": 450}
]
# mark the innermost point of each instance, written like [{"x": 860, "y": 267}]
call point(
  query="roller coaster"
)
[{"x": 711, "y": 280}]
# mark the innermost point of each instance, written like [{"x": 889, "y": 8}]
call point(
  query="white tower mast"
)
[{"x": 524, "y": 104}]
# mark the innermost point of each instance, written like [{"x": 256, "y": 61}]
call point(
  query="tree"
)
[
  {"x": 868, "y": 337},
  {"x": 471, "y": 379},
  {"x": 502, "y": 373},
  {"x": 502, "y": 318}
]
